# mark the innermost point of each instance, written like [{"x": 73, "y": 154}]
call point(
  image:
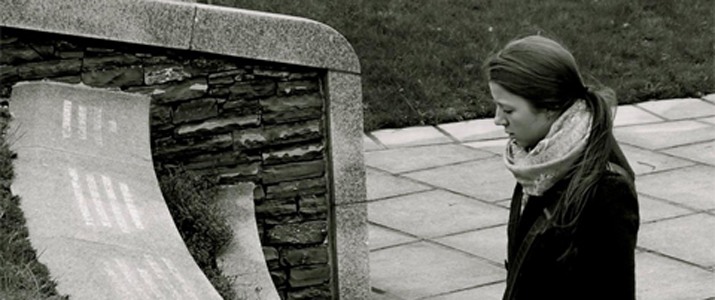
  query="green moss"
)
[{"x": 191, "y": 201}]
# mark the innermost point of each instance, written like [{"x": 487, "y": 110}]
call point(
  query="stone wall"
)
[{"x": 238, "y": 120}]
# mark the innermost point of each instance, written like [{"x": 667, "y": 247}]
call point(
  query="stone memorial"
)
[{"x": 269, "y": 105}]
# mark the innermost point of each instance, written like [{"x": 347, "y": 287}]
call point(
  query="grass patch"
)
[
  {"x": 421, "y": 59},
  {"x": 22, "y": 276},
  {"x": 202, "y": 226}
]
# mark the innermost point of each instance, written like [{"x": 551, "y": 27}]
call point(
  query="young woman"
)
[{"x": 574, "y": 213}]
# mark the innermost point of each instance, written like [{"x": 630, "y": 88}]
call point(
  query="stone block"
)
[
  {"x": 49, "y": 68},
  {"x": 291, "y": 109},
  {"x": 240, "y": 107},
  {"x": 272, "y": 257},
  {"x": 163, "y": 74},
  {"x": 8, "y": 73},
  {"x": 259, "y": 193},
  {"x": 174, "y": 92},
  {"x": 226, "y": 76},
  {"x": 226, "y": 124},
  {"x": 203, "y": 66},
  {"x": 298, "y": 87},
  {"x": 311, "y": 293},
  {"x": 297, "y": 188},
  {"x": 222, "y": 159},
  {"x": 293, "y": 133},
  {"x": 313, "y": 206},
  {"x": 293, "y": 171},
  {"x": 253, "y": 89},
  {"x": 278, "y": 277},
  {"x": 283, "y": 219},
  {"x": 167, "y": 148},
  {"x": 159, "y": 115},
  {"x": 278, "y": 74},
  {"x": 250, "y": 138},
  {"x": 273, "y": 207},
  {"x": 17, "y": 54},
  {"x": 294, "y": 153},
  {"x": 199, "y": 109},
  {"x": 109, "y": 62},
  {"x": 227, "y": 80},
  {"x": 304, "y": 256},
  {"x": 239, "y": 173},
  {"x": 219, "y": 91},
  {"x": 308, "y": 275},
  {"x": 72, "y": 79},
  {"x": 313, "y": 232},
  {"x": 114, "y": 78}
]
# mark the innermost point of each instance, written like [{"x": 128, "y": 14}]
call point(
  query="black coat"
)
[{"x": 593, "y": 260}]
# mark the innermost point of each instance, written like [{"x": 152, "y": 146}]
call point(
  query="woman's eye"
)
[{"x": 507, "y": 111}]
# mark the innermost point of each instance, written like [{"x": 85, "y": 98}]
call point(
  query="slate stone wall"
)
[{"x": 238, "y": 120}]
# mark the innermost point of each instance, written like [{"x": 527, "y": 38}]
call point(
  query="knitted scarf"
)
[{"x": 552, "y": 157}]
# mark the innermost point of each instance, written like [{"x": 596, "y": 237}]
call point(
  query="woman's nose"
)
[{"x": 499, "y": 119}]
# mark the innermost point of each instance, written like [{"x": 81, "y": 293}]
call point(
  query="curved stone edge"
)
[
  {"x": 189, "y": 26},
  {"x": 243, "y": 259}
]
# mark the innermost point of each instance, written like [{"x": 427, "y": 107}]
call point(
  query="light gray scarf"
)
[{"x": 552, "y": 157}]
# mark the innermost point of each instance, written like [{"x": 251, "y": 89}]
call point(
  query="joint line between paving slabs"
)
[
  {"x": 447, "y": 134},
  {"x": 680, "y": 205},
  {"x": 434, "y": 187},
  {"x": 658, "y": 151},
  {"x": 652, "y": 113},
  {"x": 663, "y": 255},
  {"x": 376, "y": 140}
]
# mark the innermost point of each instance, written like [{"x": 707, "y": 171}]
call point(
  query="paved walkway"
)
[{"x": 439, "y": 199}]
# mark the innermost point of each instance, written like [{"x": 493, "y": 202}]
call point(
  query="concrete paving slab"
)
[
  {"x": 411, "y": 136},
  {"x": 691, "y": 186},
  {"x": 666, "y": 134},
  {"x": 486, "y": 179},
  {"x": 411, "y": 271},
  {"x": 710, "y": 98},
  {"x": 382, "y": 185},
  {"x": 647, "y": 161},
  {"x": 474, "y": 130},
  {"x": 660, "y": 278},
  {"x": 381, "y": 237},
  {"x": 689, "y": 238},
  {"x": 370, "y": 145},
  {"x": 490, "y": 243},
  {"x": 417, "y": 158},
  {"x": 631, "y": 115},
  {"x": 654, "y": 209},
  {"x": 435, "y": 213},
  {"x": 710, "y": 120},
  {"x": 677, "y": 109},
  {"x": 702, "y": 152},
  {"x": 493, "y": 146},
  {"x": 489, "y": 292}
]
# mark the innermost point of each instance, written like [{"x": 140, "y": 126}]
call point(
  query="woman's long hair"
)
[{"x": 545, "y": 74}]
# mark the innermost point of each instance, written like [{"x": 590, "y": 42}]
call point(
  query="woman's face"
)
[{"x": 522, "y": 122}]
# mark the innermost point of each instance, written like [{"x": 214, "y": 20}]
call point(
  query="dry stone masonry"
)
[{"x": 235, "y": 119}]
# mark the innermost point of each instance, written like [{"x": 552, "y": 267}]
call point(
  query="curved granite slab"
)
[{"x": 94, "y": 210}]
